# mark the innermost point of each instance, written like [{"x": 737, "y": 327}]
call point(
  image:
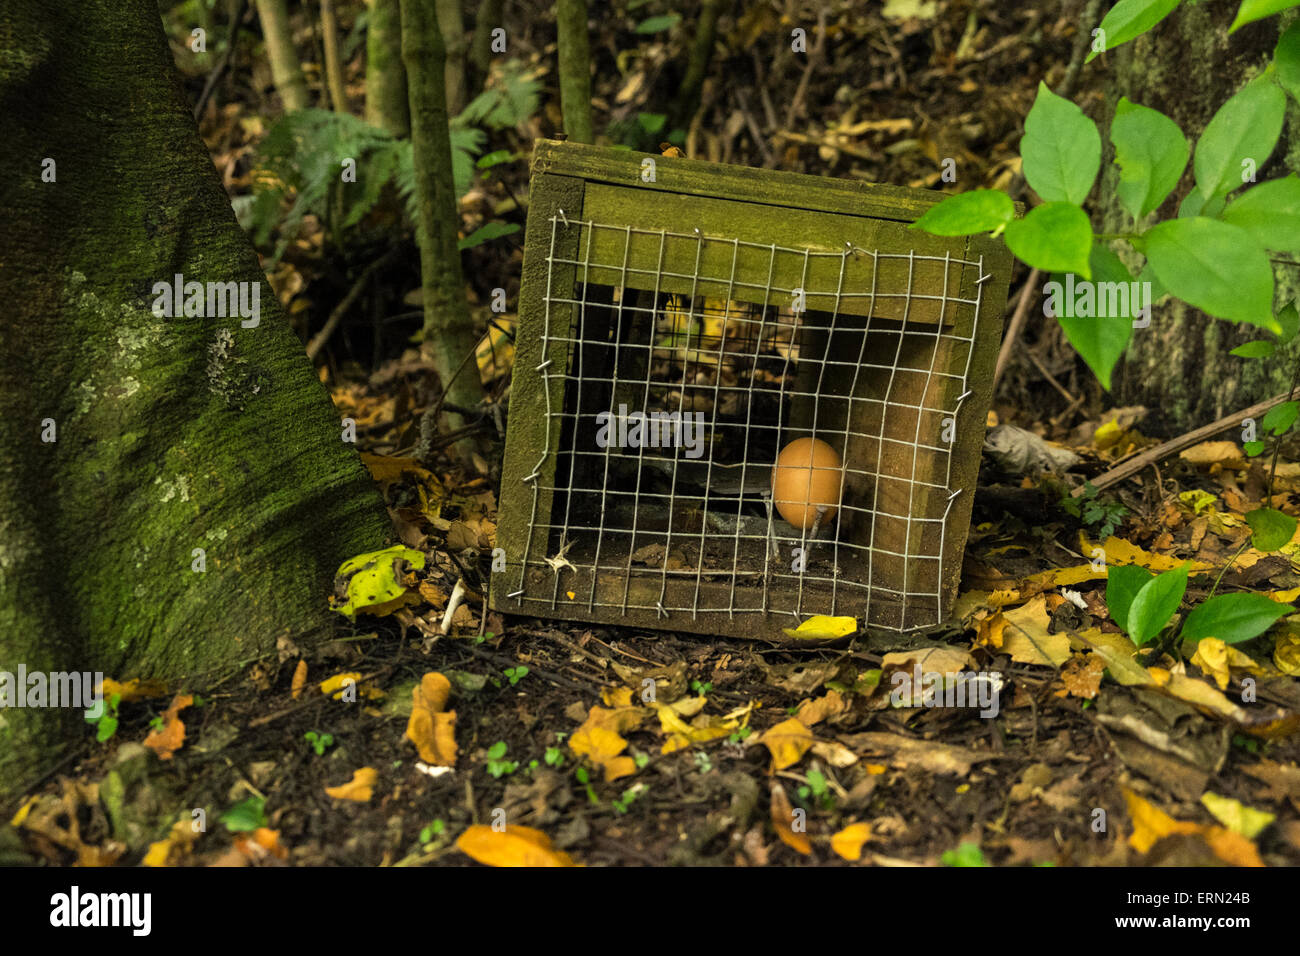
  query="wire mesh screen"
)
[{"x": 742, "y": 429}]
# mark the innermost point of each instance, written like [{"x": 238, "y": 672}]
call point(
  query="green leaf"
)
[
  {"x": 1252, "y": 10},
  {"x": 1286, "y": 59},
  {"x": 1253, "y": 449},
  {"x": 1280, "y": 418},
  {"x": 245, "y": 816},
  {"x": 1288, "y": 321},
  {"x": 1234, "y": 618},
  {"x": 1270, "y": 529},
  {"x": 1151, "y": 152},
  {"x": 1123, "y": 582},
  {"x": 1155, "y": 604},
  {"x": 497, "y": 750},
  {"x": 1054, "y": 237},
  {"x": 1061, "y": 149},
  {"x": 652, "y": 122},
  {"x": 1270, "y": 212},
  {"x": 656, "y": 24},
  {"x": 980, "y": 210},
  {"x": 1260, "y": 348},
  {"x": 494, "y": 158},
  {"x": 487, "y": 232},
  {"x": 1243, "y": 131},
  {"x": 1214, "y": 266},
  {"x": 1100, "y": 337},
  {"x": 1129, "y": 19}
]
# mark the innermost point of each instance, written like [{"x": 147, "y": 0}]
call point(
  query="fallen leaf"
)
[
  {"x": 812, "y": 712},
  {"x": 1082, "y": 676},
  {"x": 848, "y": 842},
  {"x": 1151, "y": 824},
  {"x": 260, "y": 844},
  {"x": 175, "y": 846},
  {"x": 1236, "y": 816},
  {"x": 513, "y": 846},
  {"x": 359, "y": 789},
  {"x": 171, "y": 738},
  {"x": 299, "y": 680},
  {"x": 788, "y": 741},
  {"x": 1026, "y": 638},
  {"x": 431, "y": 727},
  {"x": 1119, "y": 551},
  {"x": 135, "y": 689},
  {"x": 785, "y": 821},
  {"x": 1217, "y": 659},
  {"x": 822, "y": 627}
]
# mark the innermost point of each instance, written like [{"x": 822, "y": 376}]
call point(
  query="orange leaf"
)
[
  {"x": 785, "y": 821},
  {"x": 513, "y": 846},
  {"x": 432, "y": 730},
  {"x": 299, "y": 680},
  {"x": 171, "y": 738},
  {"x": 788, "y": 741},
  {"x": 260, "y": 844},
  {"x": 848, "y": 842},
  {"x": 359, "y": 789}
]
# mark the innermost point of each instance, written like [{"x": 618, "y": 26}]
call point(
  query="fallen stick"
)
[{"x": 1135, "y": 464}]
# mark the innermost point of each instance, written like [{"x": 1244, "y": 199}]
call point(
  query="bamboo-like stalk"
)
[
  {"x": 448, "y": 328},
  {"x": 286, "y": 70},
  {"x": 575, "y": 70},
  {"x": 386, "y": 100},
  {"x": 451, "y": 21},
  {"x": 329, "y": 27}
]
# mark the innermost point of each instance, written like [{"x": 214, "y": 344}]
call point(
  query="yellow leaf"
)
[
  {"x": 848, "y": 842},
  {"x": 788, "y": 741},
  {"x": 299, "y": 680},
  {"x": 1151, "y": 823},
  {"x": 600, "y": 739},
  {"x": 682, "y": 735},
  {"x": 1026, "y": 638},
  {"x": 513, "y": 846},
  {"x": 134, "y": 689},
  {"x": 1119, "y": 551},
  {"x": 1286, "y": 653},
  {"x": 823, "y": 627},
  {"x": 177, "y": 843},
  {"x": 359, "y": 789},
  {"x": 1224, "y": 453},
  {"x": 1212, "y": 657},
  {"x": 1237, "y": 817},
  {"x": 616, "y": 696}
]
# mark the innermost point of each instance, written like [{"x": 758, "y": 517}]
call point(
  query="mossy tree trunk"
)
[
  {"x": 286, "y": 70},
  {"x": 448, "y": 329},
  {"x": 574, "y": 52},
  {"x": 386, "y": 99},
  {"x": 1179, "y": 367},
  {"x": 171, "y": 434}
]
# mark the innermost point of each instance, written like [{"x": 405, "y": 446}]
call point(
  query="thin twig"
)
[
  {"x": 1135, "y": 464},
  {"x": 320, "y": 338},
  {"x": 215, "y": 76},
  {"x": 1014, "y": 329}
]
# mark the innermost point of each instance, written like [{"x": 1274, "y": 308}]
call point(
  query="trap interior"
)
[{"x": 673, "y": 339}]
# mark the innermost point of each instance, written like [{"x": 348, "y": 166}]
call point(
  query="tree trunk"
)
[
  {"x": 575, "y": 69},
  {"x": 197, "y": 500},
  {"x": 487, "y": 19},
  {"x": 451, "y": 23},
  {"x": 329, "y": 28},
  {"x": 1179, "y": 367},
  {"x": 286, "y": 71},
  {"x": 448, "y": 329},
  {"x": 688, "y": 97},
  {"x": 386, "y": 100}
]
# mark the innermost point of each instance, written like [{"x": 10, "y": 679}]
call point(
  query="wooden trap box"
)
[{"x": 680, "y": 323}]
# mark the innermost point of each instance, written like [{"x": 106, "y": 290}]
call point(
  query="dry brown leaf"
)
[
  {"x": 785, "y": 821},
  {"x": 513, "y": 846},
  {"x": 1081, "y": 676},
  {"x": 359, "y": 789},
  {"x": 812, "y": 712},
  {"x": 171, "y": 738}
]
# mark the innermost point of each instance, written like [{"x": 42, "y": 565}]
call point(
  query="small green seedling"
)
[
  {"x": 319, "y": 742},
  {"x": 737, "y": 736},
  {"x": 701, "y": 689},
  {"x": 968, "y": 854},
  {"x": 554, "y": 757},
  {"x": 434, "y": 829},
  {"x": 497, "y": 765},
  {"x": 245, "y": 816},
  {"x": 106, "y": 722},
  {"x": 516, "y": 674},
  {"x": 702, "y": 761},
  {"x": 819, "y": 789},
  {"x": 580, "y": 774},
  {"x": 630, "y": 796},
  {"x": 1100, "y": 513}
]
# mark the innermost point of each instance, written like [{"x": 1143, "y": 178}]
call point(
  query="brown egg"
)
[{"x": 807, "y": 474}]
